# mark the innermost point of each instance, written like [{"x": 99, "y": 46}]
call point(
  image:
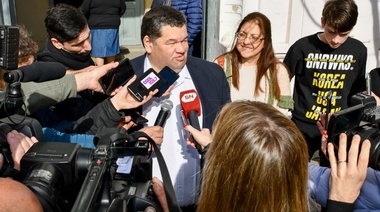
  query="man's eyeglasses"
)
[{"x": 253, "y": 39}]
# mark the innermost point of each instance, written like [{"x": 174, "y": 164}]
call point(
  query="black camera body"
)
[
  {"x": 65, "y": 176},
  {"x": 9, "y": 39},
  {"x": 362, "y": 118},
  {"x": 136, "y": 197},
  {"x": 54, "y": 171}
]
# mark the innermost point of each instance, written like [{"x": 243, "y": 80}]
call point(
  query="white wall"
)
[{"x": 293, "y": 19}]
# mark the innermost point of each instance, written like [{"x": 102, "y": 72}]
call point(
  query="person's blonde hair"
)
[{"x": 257, "y": 161}]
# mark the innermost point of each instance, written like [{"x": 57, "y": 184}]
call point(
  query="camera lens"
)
[
  {"x": 45, "y": 180},
  {"x": 83, "y": 160},
  {"x": 373, "y": 135}
]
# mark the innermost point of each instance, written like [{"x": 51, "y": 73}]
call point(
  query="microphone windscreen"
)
[
  {"x": 42, "y": 71},
  {"x": 167, "y": 105},
  {"x": 190, "y": 102}
]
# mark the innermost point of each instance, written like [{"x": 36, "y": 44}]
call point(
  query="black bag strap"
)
[{"x": 168, "y": 186}]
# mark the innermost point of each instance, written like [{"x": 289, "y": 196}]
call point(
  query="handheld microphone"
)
[
  {"x": 36, "y": 72},
  {"x": 166, "y": 106},
  {"x": 191, "y": 107}
]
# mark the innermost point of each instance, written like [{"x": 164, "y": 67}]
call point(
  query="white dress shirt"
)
[{"x": 182, "y": 160}]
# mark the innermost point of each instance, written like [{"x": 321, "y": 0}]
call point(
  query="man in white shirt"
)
[{"x": 164, "y": 36}]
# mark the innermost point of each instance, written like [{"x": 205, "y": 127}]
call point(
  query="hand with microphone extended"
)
[
  {"x": 202, "y": 137},
  {"x": 166, "y": 107},
  {"x": 154, "y": 132},
  {"x": 191, "y": 108}
]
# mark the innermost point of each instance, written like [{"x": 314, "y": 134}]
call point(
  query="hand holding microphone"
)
[
  {"x": 155, "y": 132},
  {"x": 202, "y": 137},
  {"x": 166, "y": 106},
  {"x": 191, "y": 108}
]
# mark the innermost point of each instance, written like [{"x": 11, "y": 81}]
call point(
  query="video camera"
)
[
  {"x": 65, "y": 176},
  {"x": 362, "y": 118},
  {"x": 11, "y": 97}
]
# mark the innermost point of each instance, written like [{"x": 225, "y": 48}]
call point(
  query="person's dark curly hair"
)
[{"x": 27, "y": 46}]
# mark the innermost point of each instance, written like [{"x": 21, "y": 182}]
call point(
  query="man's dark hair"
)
[
  {"x": 64, "y": 22},
  {"x": 158, "y": 17},
  {"x": 340, "y": 14}
]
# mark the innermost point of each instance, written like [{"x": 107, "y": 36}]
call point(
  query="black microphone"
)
[
  {"x": 166, "y": 106},
  {"x": 36, "y": 72}
]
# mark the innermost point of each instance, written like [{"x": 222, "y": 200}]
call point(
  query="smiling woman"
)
[{"x": 253, "y": 71}]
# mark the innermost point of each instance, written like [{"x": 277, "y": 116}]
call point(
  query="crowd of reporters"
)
[{"x": 42, "y": 100}]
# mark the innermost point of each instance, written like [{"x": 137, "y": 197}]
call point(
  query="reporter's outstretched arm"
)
[
  {"x": 202, "y": 137},
  {"x": 89, "y": 79},
  {"x": 106, "y": 113},
  {"x": 125, "y": 100},
  {"x": 347, "y": 173},
  {"x": 45, "y": 94}
]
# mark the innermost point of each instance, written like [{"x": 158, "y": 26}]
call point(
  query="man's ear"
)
[
  {"x": 148, "y": 44},
  {"x": 56, "y": 43}
]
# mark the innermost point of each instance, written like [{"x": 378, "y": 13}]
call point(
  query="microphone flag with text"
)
[
  {"x": 191, "y": 108},
  {"x": 166, "y": 106}
]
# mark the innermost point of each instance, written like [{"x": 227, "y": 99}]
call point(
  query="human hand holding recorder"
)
[{"x": 124, "y": 99}]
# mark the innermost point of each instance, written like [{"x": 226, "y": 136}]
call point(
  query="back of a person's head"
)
[
  {"x": 257, "y": 161},
  {"x": 158, "y": 17},
  {"x": 340, "y": 14},
  {"x": 27, "y": 46},
  {"x": 64, "y": 22},
  {"x": 16, "y": 197}
]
